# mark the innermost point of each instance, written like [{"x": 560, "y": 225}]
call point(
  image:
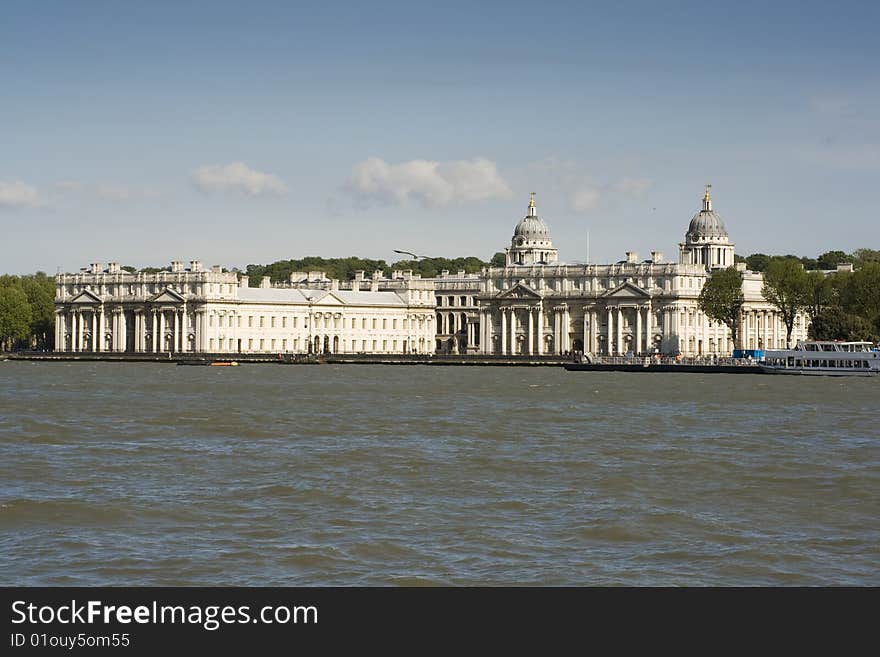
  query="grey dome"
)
[
  {"x": 706, "y": 224},
  {"x": 532, "y": 227}
]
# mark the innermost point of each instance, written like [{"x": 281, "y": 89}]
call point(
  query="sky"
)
[{"x": 249, "y": 132}]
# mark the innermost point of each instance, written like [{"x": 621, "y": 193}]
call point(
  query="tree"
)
[
  {"x": 40, "y": 292},
  {"x": 721, "y": 299},
  {"x": 830, "y": 259},
  {"x": 818, "y": 293},
  {"x": 836, "y": 324},
  {"x": 15, "y": 316},
  {"x": 785, "y": 283},
  {"x": 757, "y": 262},
  {"x": 862, "y": 257},
  {"x": 498, "y": 260},
  {"x": 862, "y": 293}
]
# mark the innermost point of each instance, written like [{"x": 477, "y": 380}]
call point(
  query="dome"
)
[
  {"x": 532, "y": 227},
  {"x": 706, "y": 225}
]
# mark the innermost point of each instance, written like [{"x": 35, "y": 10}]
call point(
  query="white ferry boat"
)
[{"x": 821, "y": 358}]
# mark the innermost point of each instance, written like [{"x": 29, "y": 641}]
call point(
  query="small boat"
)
[
  {"x": 225, "y": 363},
  {"x": 824, "y": 358}
]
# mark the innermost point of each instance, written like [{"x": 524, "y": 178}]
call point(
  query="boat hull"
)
[{"x": 816, "y": 371}]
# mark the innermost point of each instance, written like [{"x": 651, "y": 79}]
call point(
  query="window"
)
[
  {"x": 384, "y": 323},
  {"x": 210, "y": 344},
  {"x": 354, "y": 345},
  {"x": 272, "y": 321},
  {"x": 462, "y": 301},
  {"x": 250, "y": 321},
  {"x": 451, "y": 301},
  {"x": 364, "y": 323},
  {"x": 384, "y": 345},
  {"x": 294, "y": 322},
  {"x": 262, "y": 344},
  {"x": 284, "y": 345},
  {"x": 262, "y": 323},
  {"x": 239, "y": 321},
  {"x": 210, "y": 320},
  {"x": 374, "y": 322},
  {"x": 230, "y": 344},
  {"x": 284, "y": 322},
  {"x": 273, "y": 344},
  {"x": 250, "y": 344},
  {"x": 394, "y": 323},
  {"x": 394, "y": 345},
  {"x": 439, "y": 301}
]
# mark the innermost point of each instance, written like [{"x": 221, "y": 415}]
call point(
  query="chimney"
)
[
  {"x": 444, "y": 273},
  {"x": 112, "y": 267},
  {"x": 244, "y": 281},
  {"x": 96, "y": 268},
  {"x": 176, "y": 265},
  {"x": 334, "y": 284},
  {"x": 845, "y": 267},
  {"x": 266, "y": 281},
  {"x": 656, "y": 256},
  {"x": 632, "y": 257},
  {"x": 217, "y": 269},
  {"x": 195, "y": 265}
]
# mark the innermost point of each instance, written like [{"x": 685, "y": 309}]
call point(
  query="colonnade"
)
[{"x": 106, "y": 329}]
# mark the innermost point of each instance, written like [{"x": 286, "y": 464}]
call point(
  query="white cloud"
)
[
  {"x": 432, "y": 184},
  {"x": 16, "y": 194},
  {"x": 70, "y": 185},
  {"x": 238, "y": 178},
  {"x": 633, "y": 187},
  {"x": 584, "y": 199},
  {"x": 121, "y": 193}
]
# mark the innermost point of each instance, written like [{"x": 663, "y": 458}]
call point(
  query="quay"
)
[{"x": 601, "y": 364}]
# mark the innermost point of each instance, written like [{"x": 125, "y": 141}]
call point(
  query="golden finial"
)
[
  {"x": 531, "y": 199},
  {"x": 707, "y": 197}
]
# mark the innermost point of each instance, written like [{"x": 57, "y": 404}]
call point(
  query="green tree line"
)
[
  {"x": 27, "y": 312},
  {"x": 827, "y": 261},
  {"x": 344, "y": 268},
  {"x": 841, "y": 305}
]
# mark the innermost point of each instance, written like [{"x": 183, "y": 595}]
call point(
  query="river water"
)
[{"x": 143, "y": 473}]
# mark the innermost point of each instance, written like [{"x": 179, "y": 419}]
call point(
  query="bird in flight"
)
[{"x": 416, "y": 257}]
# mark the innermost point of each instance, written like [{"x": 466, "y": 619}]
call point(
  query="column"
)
[
  {"x": 618, "y": 347},
  {"x": 154, "y": 330},
  {"x": 775, "y": 330},
  {"x": 503, "y": 331},
  {"x": 512, "y": 331},
  {"x": 123, "y": 329},
  {"x": 585, "y": 338},
  {"x": 566, "y": 326},
  {"x": 610, "y": 338},
  {"x": 99, "y": 345},
  {"x": 638, "y": 341},
  {"x": 531, "y": 331},
  {"x": 79, "y": 330},
  {"x": 59, "y": 331},
  {"x": 175, "y": 341},
  {"x": 648, "y": 328},
  {"x": 184, "y": 331},
  {"x": 94, "y": 329},
  {"x": 540, "y": 331}
]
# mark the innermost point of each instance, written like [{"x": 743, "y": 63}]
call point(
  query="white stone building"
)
[
  {"x": 212, "y": 311},
  {"x": 535, "y": 305}
]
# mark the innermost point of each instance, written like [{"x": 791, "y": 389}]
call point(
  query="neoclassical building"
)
[
  {"x": 197, "y": 310},
  {"x": 533, "y": 305},
  {"x": 536, "y": 305}
]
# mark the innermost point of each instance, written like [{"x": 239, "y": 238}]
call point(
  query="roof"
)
[{"x": 304, "y": 296}]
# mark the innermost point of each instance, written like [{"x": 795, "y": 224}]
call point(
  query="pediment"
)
[
  {"x": 519, "y": 291},
  {"x": 329, "y": 299},
  {"x": 626, "y": 291},
  {"x": 168, "y": 296},
  {"x": 86, "y": 297}
]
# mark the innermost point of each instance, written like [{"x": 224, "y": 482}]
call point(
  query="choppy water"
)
[{"x": 349, "y": 475}]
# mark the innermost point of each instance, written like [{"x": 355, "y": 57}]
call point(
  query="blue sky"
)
[{"x": 239, "y": 133}]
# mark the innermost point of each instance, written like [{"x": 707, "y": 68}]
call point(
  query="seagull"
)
[{"x": 412, "y": 254}]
